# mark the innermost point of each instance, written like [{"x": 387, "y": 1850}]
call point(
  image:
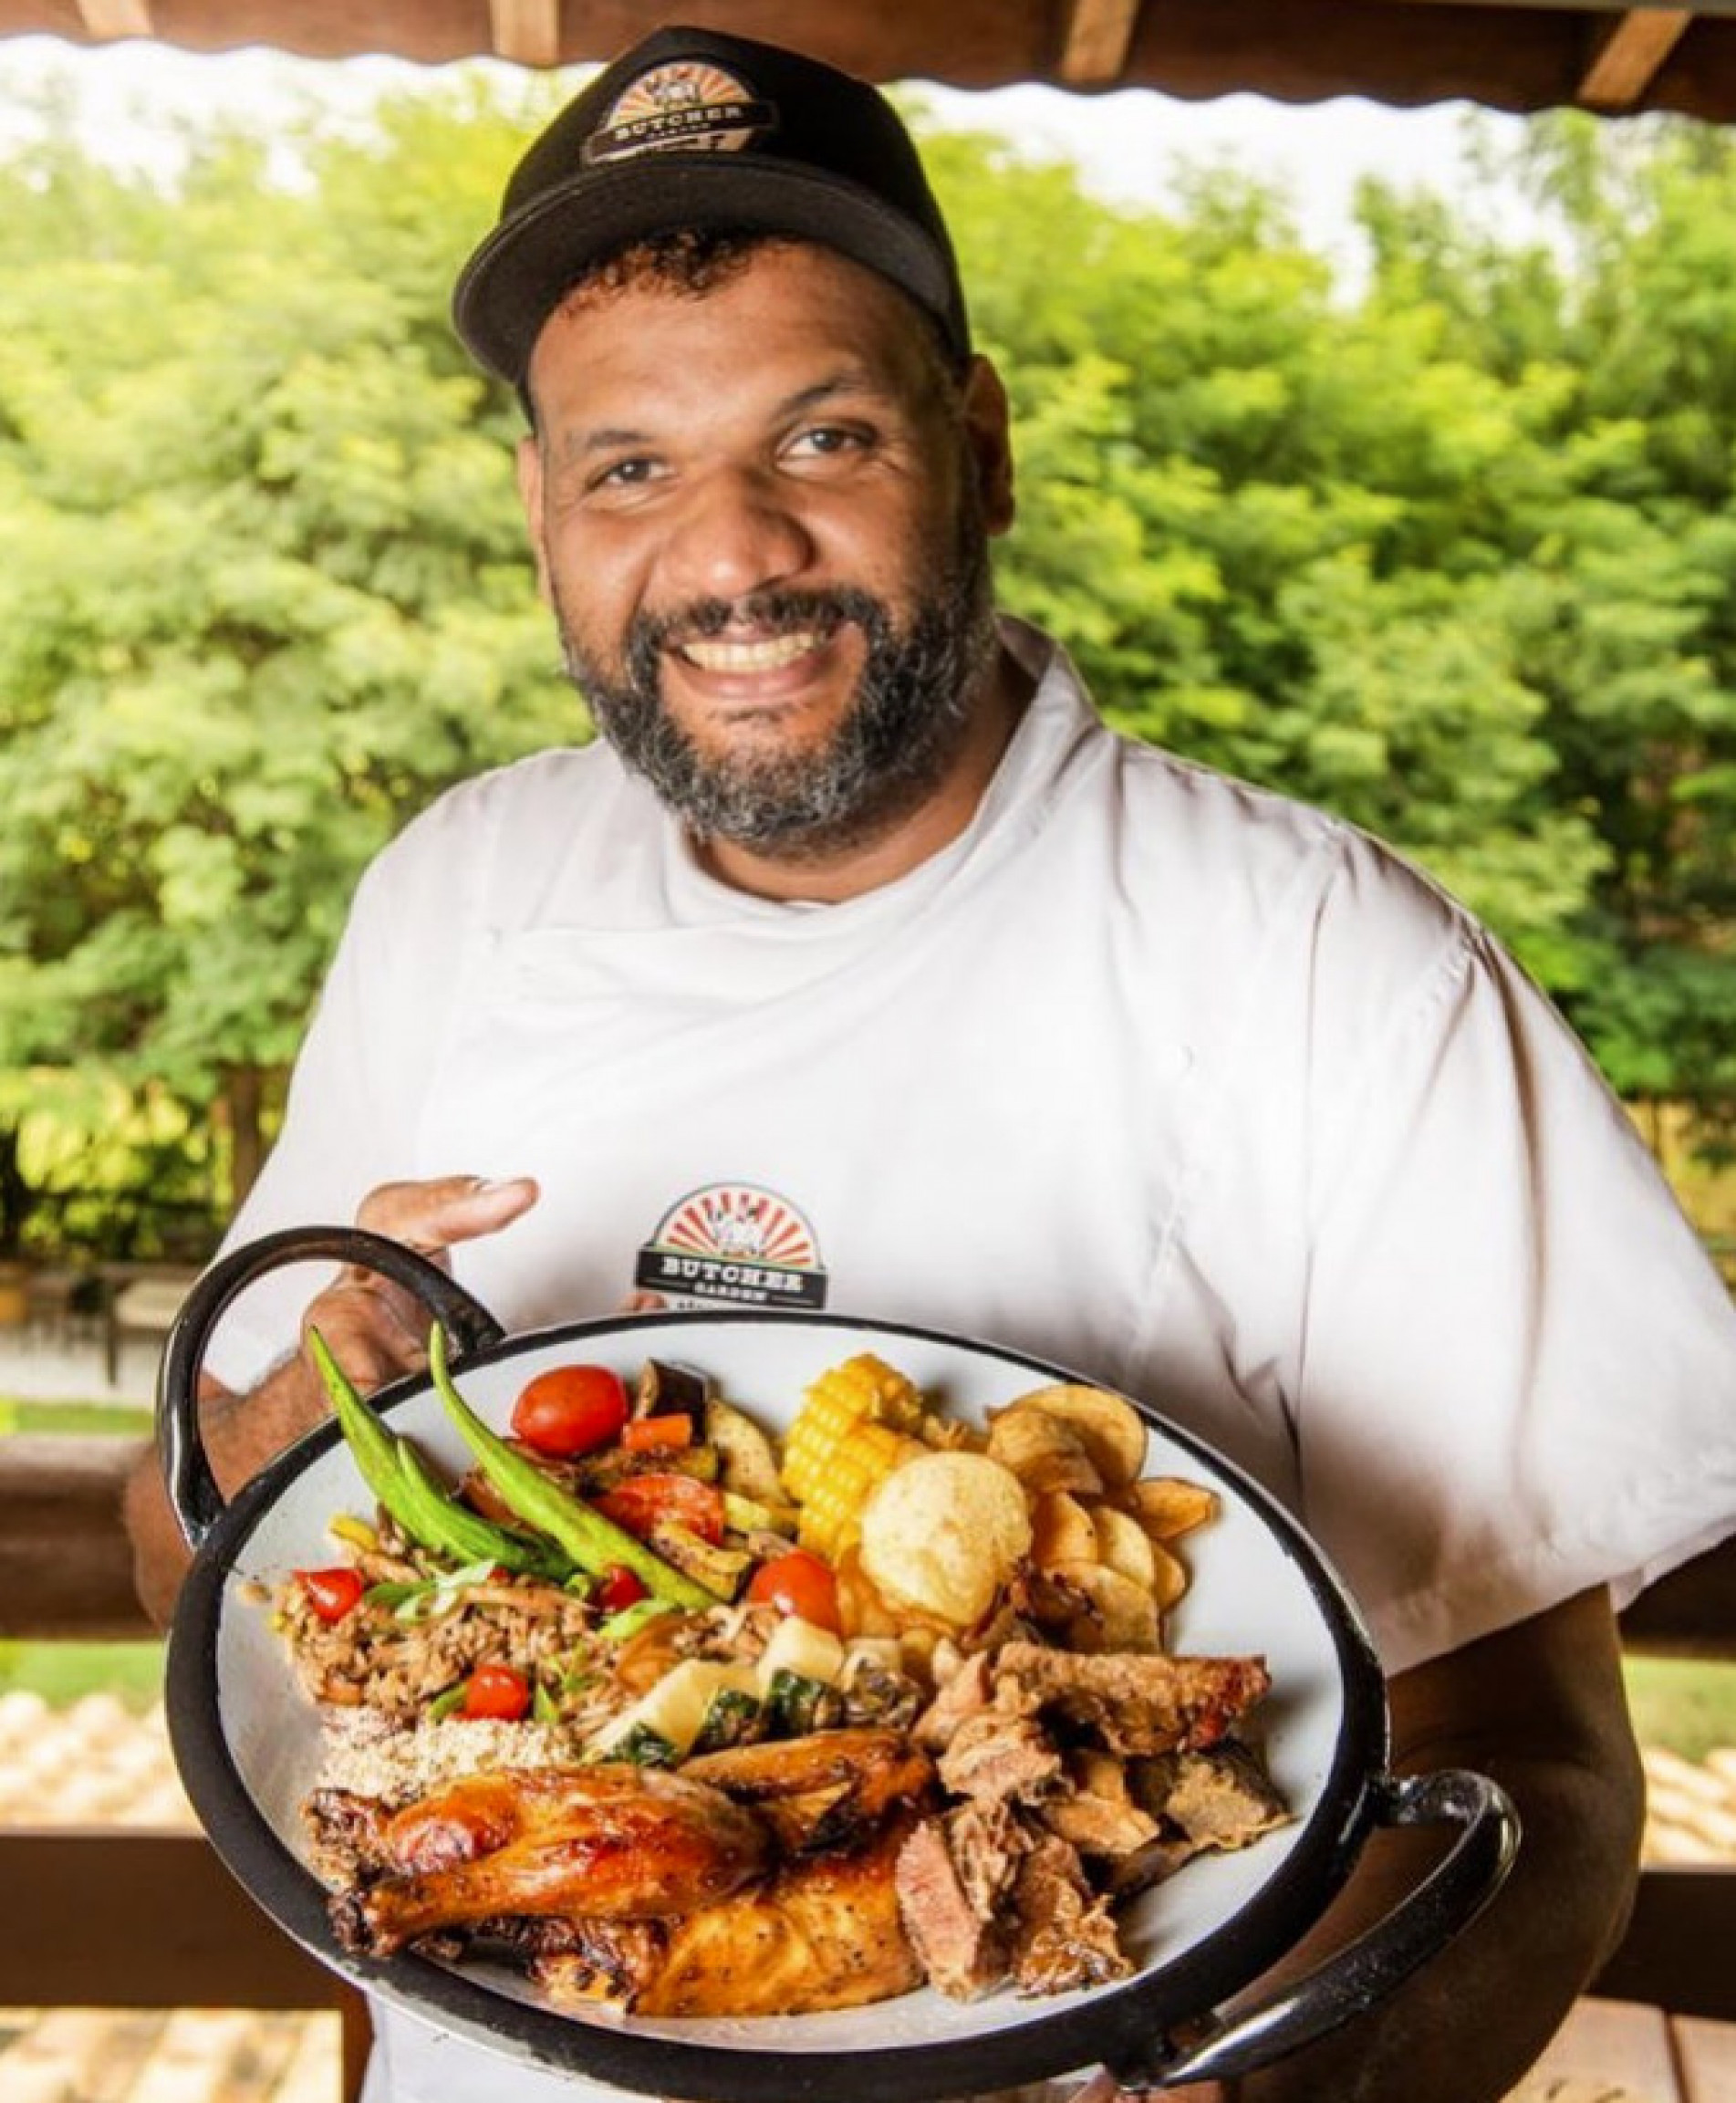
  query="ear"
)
[
  {"x": 530, "y": 495},
  {"x": 988, "y": 434}
]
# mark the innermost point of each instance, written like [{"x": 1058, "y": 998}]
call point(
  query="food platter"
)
[{"x": 247, "y": 1740}]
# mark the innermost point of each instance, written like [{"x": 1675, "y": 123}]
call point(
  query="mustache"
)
[{"x": 770, "y": 612}]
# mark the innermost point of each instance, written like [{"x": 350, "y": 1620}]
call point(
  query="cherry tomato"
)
[
  {"x": 498, "y": 1692},
  {"x": 570, "y": 1409},
  {"x": 799, "y": 1584},
  {"x": 618, "y": 1588},
  {"x": 332, "y": 1593},
  {"x": 640, "y": 1501},
  {"x": 652, "y": 1434}
]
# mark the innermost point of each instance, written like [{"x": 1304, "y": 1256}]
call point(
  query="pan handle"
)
[
  {"x": 194, "y": 1492},
  {"x": 1355, "y": 1979}
]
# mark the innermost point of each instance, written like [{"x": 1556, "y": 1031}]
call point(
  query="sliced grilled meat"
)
[{"x": 1132, "y": 1702}]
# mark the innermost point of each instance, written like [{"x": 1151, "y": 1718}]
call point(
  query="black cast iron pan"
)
[{"x": 247, "y": 1741}]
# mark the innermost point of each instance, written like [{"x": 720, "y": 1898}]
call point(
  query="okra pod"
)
[
  {"x": 395, "y": 1473},
  {"x": 444, "y": 1524},
  {"x": 591, "y": 1540},
  {"x": 367, "y": 1438}
]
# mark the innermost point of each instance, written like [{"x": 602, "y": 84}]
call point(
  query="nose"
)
[{"x": 738, "y": 530}]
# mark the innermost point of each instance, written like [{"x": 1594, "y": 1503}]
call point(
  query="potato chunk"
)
[{"x": 944, "y": 1533}]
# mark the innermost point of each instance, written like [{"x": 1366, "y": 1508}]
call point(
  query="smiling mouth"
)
[{"x": 770, "y": 653}]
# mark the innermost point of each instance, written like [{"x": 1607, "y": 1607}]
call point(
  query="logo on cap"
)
[{"x": 686, "y": 107}]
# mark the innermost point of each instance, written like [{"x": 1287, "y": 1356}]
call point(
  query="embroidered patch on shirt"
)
[{"x": 733, "y": 1242}]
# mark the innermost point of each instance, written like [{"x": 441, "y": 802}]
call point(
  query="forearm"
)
[
  {"x": 376, "y": 1330},
  {"x": 1465, "y": 2028},
  {"x": 241, "y": 1433}
]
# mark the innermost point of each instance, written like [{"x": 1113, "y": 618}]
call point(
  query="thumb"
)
[{"x": 431, "y": 1216}]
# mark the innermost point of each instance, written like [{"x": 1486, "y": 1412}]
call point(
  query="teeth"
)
[{"x": 776, "y": 652}]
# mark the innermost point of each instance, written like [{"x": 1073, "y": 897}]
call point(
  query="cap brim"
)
[{"x": 517, "y": 276}]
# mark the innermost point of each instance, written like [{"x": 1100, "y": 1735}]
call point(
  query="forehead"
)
[{"x": 784, "y": 313}]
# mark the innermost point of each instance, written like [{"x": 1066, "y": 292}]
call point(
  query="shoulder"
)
[
  {"x": 1230, "y": 884},
  {"x": 468, "y": 852},
  {"x": 1273, "y": 871},
  {"x": 539, "y": 791},
  {"x": 1181, "y": 829}
]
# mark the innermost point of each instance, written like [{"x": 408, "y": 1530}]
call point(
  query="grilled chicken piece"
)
[
  {"x": 826, "y": 1790},
  {"x": 613, "y": 1840},
  {"x": 821, "y": 1932}
]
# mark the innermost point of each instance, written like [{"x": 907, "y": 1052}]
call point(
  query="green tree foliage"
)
[
  {"x": 262, "y": 583},
  {"x": 1451, "y": 557},
  {"x": 1452, "y": 554}
]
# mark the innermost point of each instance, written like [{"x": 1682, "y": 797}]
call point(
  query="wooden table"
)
[{"x": 1626, "y": 2052}]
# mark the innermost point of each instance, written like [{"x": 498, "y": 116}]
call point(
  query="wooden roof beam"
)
[
  {"x": 528, "y": 32},
  {"x": 106, "y": 20},
  {"x": 1629, "y": 55},
  {"x": 1096, "y": 37}
]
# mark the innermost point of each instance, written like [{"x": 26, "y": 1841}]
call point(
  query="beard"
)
[{"x": 907, "y": 721}]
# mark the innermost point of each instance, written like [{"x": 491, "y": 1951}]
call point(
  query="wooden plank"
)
[
  {"x": 106, "y": 19},
  {"x": 65, "y": 1564},
  {"x": 1706, "y": 2058},
  {"x": 1678, "y": 1950},
  {"x": 528, "y": 32},
  {"x": 1618, "y": 2045},
  {"x": 314, "y": 2074},
  {"x": 121, "y": 1919},
  {"x": 1095, "y": 40},
  {"x": 1629, "y": 55}
]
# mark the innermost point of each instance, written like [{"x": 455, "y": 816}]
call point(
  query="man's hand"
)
[{"x": 376, "y": 1330}]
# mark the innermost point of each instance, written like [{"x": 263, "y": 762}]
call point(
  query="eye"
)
[
  {"x": 829, "y": 442},
  {"x": 633, "y": 473}
]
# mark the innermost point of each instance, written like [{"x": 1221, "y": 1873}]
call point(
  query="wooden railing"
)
[
  {"x": 124, "y": 1919},
  {"x": 119, "y": 1917}
]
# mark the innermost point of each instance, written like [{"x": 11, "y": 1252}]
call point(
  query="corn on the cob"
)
[
  {"x": 830, "y": 1519},
  {"x": 863, "y": 1389},
  {"x": 855, "y": 1424}
]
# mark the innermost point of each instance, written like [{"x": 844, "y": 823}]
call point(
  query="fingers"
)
[{"x": 376, "y": 1330}]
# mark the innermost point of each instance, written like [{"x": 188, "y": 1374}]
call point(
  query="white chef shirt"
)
[
  {"x": 1192, "y": 1089},
  {"x": 1176, "y": 1083}
]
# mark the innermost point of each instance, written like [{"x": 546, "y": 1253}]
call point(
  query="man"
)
[{"x": 859, "y": 965}]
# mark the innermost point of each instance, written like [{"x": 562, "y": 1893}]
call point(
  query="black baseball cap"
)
[{"x": 693, "y": 129}]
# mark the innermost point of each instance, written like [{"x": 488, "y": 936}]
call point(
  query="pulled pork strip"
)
[
  {"x": 1063, "y": 1935},
  {"x": 997, "y": 1758},
  {"x": 967, "y": 1692},
  {"x": 1096, "y": 1812},
  {"x": 1135, "y": 1702},
  {"x": 1222, "y": 1797}
]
